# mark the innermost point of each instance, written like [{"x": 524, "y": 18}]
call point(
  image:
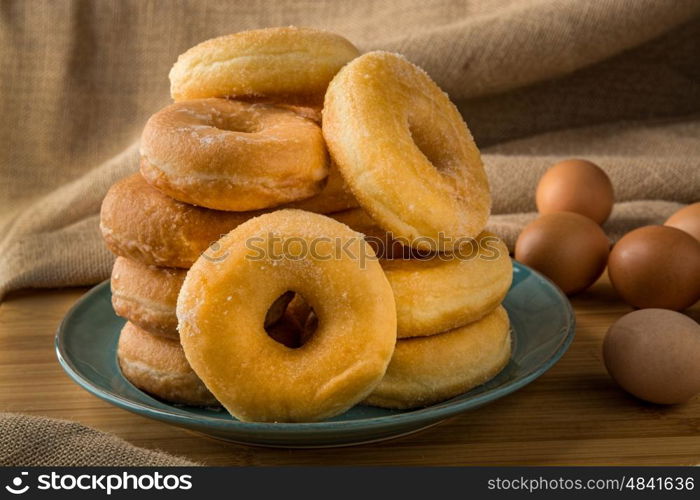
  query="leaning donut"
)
[
  {"x": 141, "y": 223},
  {"x": 406, "y": 152},
  {"x": 157, "y": 365},
  {"x": 427, "y": 370},
  {"x": 222, "y": 305},
  {"x": 231, "y": 155},
  {"x": 287, "y": 64}
]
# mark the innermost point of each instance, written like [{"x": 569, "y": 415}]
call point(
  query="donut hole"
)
[
  {"x": 434, "y": 147},
  {"x": 290, "y": 320}
]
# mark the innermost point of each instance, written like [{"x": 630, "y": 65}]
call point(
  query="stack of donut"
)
[{"x": 305, "y": 234}]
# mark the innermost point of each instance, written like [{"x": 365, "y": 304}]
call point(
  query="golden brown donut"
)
[
  {"x": 157, "y": 365},
  {"x": 222, "y": 305},
  {"x": 446, "y": 291},
  {"x": 405, "y": 152},
  {"x": 141, "y": 223},
  {"x": 233, "y": 155},
  {"x": 147, "y": 295},
  {"x": 427, "y": 370},
  {"x": 287, "y": 63},
  {"x": 437, "y": 292}
]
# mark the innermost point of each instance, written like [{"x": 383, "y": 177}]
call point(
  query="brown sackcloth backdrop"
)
[{"x": 614, "y": 81}]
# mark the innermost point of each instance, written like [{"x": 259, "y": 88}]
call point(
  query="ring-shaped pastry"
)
[
  {"x": 436, "y": 292},
  {"x": 405, "y": 151},
  {"x": 141, "y": 223},
  {"x": 157, "y": 365},
  {"x": 222, "y": 305},
  {"x": 427, "y": 370},
  {"x": 287, "y": 64},
  {"x": 232, "y": 155},
  {"x": 445, "y": 291},
  {"x": 147, "y": 295}
]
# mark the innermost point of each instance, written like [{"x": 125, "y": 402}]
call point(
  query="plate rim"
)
[{"x": 436, "y": 412}]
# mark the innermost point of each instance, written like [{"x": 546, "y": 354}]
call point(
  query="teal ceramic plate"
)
[{"x": 542, "y": 323}]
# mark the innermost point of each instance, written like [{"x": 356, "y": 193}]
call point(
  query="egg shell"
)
[
  {"x": 576, "y": 186},
  {"x": 687, "y": 219},
  {"x": 568, "y": 248},
  {"x": 656, "y": 266},
  {"x": 653, "y": 354}
]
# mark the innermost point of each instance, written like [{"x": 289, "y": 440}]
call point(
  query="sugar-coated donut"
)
[
  {"x": 406, "y": 152},
  {"x": 147, "y": 295},
  {"x": 141, "y": 223},
  {"x": 222, "y": 305},
  {"x": 427, "y": 370},
  {"x": 287, "y": 63},
  {"x": 158, "y": 366},
  {"x": 445, "y": 291},
  {"x": 232, "y": 155},
  {"x": 437, "y": 292}
]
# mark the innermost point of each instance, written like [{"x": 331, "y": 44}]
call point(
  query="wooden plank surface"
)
[{"x": 574, "y": 414}]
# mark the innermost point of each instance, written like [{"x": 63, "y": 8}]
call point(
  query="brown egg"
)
[
  {"x": 656, "y": 266},
  {"x": 687, "y": 219},
  {"x": 568, "y": 248},
  {"x": 576, "y": 186},
  {"x": 653, "y": 354}
]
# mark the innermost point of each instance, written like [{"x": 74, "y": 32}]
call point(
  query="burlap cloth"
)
[
  {"x": 48, "y": 442},
  {"x": 614, "y": 81}
]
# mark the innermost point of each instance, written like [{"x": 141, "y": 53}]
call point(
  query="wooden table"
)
[{"x": 574, "y": 414}]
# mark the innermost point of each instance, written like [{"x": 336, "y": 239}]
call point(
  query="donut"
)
[
  {"x": 428, "y": 370},
  {"x": 222, "y": 304},
  {"x": 405, "y": 152},
  {"x": 232, "y": 155},
  {"x": 445, "y": 291},
  {"x": 157, "y": 365},
  {"x": 287, "y": 64},
  {"x": 437, "y": 292},
  {"x": 141, "y": 223},
  {"x": 147, "y": 295}
]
